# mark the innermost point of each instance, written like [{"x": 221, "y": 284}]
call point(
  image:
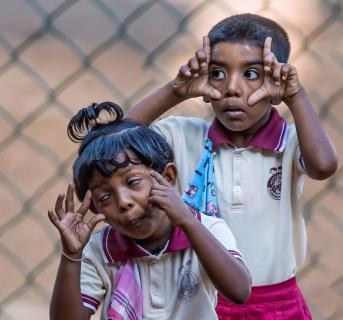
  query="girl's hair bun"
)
[{"x": 83, "y": 122}]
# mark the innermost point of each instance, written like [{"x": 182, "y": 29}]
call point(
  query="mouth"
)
[
  {"x": 233, "y": 111},
  {"x": 136, "y": 222}
]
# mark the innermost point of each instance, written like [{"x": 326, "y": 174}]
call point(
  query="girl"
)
[{"x": 155, "y": 258}]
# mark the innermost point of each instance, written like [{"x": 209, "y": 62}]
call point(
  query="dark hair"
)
[
  {"x": 252, "y": 28},
  {"x": 101, "y": 141}
]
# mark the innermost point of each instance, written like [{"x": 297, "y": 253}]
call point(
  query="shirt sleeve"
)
[
  {"x": 299, "y": 161},
  {"x": 91, "y": 283},
  {"x": 222, "y": 233}
]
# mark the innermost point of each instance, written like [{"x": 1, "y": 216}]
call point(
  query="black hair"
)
[
  {"x": 101, "y": 141},
  {"x": 254, "y": 29}
]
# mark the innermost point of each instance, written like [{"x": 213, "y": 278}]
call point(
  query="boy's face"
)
[
  {"x": 123, "y": 199},
  {"x": 236, "y": 70}
]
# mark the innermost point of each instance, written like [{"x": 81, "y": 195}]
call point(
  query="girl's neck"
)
[{"x": 158, "y": 240}]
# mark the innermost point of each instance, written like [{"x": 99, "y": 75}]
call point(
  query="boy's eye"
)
[
  {"x": 251, "y": 74},
  {"x": 217, "y": 75}
]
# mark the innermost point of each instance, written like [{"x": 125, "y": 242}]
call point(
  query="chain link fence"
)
[{"x": 56, "y": 56}]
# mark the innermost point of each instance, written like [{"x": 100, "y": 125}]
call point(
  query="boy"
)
[{"x": 258, "y": 159}]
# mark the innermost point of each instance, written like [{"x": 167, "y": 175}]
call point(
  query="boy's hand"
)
[
  {"x": 74, "y": 231},
  {"x": 280, "y": 79},
  {"x": 164, "y": 196},
  {"x": 192, "y": 79}
]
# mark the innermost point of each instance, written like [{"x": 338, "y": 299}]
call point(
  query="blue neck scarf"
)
[{"x": 201, "y": 193}]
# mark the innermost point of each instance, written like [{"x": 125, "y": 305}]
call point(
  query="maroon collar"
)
[
  {"x": 118, "y": 247},
  {"x": 272, "y": 136}
]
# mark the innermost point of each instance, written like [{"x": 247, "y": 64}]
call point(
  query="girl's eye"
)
[
  {"x": 103, "y": 197},
  {"x": 133, "y": 181},
  {"x": 217, "y": 75},
  {"x": 251, "y": 74}
]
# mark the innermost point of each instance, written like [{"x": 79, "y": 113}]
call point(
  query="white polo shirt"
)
[
  {"x": 174, "y": 284},
  {"x": 258, "y": 189}
]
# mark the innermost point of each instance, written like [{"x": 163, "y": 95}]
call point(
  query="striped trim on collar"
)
[
  {"x": 118, "y": 247},
  {"x": 272, "y": 136}
]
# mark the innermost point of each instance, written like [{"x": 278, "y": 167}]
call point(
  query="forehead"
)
[
  {"x": 235, "y": 53},
  {"x": 119, "y": 173}
]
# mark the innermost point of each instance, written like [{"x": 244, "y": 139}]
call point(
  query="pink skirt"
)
[{"x": 281, "y": 301}]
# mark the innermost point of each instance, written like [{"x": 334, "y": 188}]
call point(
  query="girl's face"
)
[{"x": 123, "y": 199}]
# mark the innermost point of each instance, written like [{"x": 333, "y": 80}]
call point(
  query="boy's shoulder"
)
[
  {"x": 178, "y": 126},
  {"x": 182, "y": 122}
]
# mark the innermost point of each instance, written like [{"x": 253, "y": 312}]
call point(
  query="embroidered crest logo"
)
[
  {"x": 274, "y": 183},
  {"x": 187, "y": 283}
]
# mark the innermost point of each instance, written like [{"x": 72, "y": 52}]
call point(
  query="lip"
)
[{"x": 233, "y": 111}]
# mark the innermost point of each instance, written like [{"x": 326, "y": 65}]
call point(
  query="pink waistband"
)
[{"x": 271, "y": 293}]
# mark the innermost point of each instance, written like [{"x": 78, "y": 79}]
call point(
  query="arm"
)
[
  {"x": 316, "y": 148},
  {"x": 226, "y": 272},
  {"x": 191, "y": 81},
  {"x": 66, "y": 302},
  {"x": 282, "y": 84}
]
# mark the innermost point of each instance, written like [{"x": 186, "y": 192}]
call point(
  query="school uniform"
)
[
  {"x": 258, "y": 194},
  {"x": 173, "y": 283}
]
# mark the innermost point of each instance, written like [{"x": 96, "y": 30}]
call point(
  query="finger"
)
[
  {"x": 159, "y": 179},
  {"x": 268, "y": 61},
  {"x": 158, "y": 192},
  {"x": 202, "y": 60},
  {"x": 212, "y": 93},
  {"x": 257, "y": 96},
  {"x": 156, "y": 200},
  {"x": 95, "y": 220},
  {"x": 85, "y": 203},
  {"x": 58, "y": 206},
  {"x": 185, "y": 71},
  {"x": 284, "y": 71},
  {"x": 277, "y": 73},
  {"x": 194, "y": 66},
  {"x": 54, "y": 218},
  {"x": 207, "y": 48},
  {"x": 267, "y": 48},
  {"x": 69, "y": 200}
]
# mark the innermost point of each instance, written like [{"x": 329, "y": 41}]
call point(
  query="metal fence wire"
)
[{"x": 56, "y": 56}]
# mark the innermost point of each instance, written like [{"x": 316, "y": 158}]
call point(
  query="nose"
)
[
  {"x": 233, "y": 86},
  {"x": 125, "y": 202}
]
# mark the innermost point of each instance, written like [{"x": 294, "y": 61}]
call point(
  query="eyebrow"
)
[{"x": 246, "y": 64}]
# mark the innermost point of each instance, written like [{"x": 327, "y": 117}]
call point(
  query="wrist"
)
[
  {"x": 188, "y": 221},
  {"x": 74, "y": 257},
  {"x": 295, "y": 98},
  {"x": 172, "y": 87}
]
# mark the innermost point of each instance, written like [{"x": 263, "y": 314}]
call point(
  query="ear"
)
[{"x": 170, "y": 173}]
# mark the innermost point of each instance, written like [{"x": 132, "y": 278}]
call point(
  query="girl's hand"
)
[
  {"x": 192, "y": 79},
  {"x": 74, "y": 231},
  {"x": 164, "y": 196},
  {"x": 281, "y": 80}
]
